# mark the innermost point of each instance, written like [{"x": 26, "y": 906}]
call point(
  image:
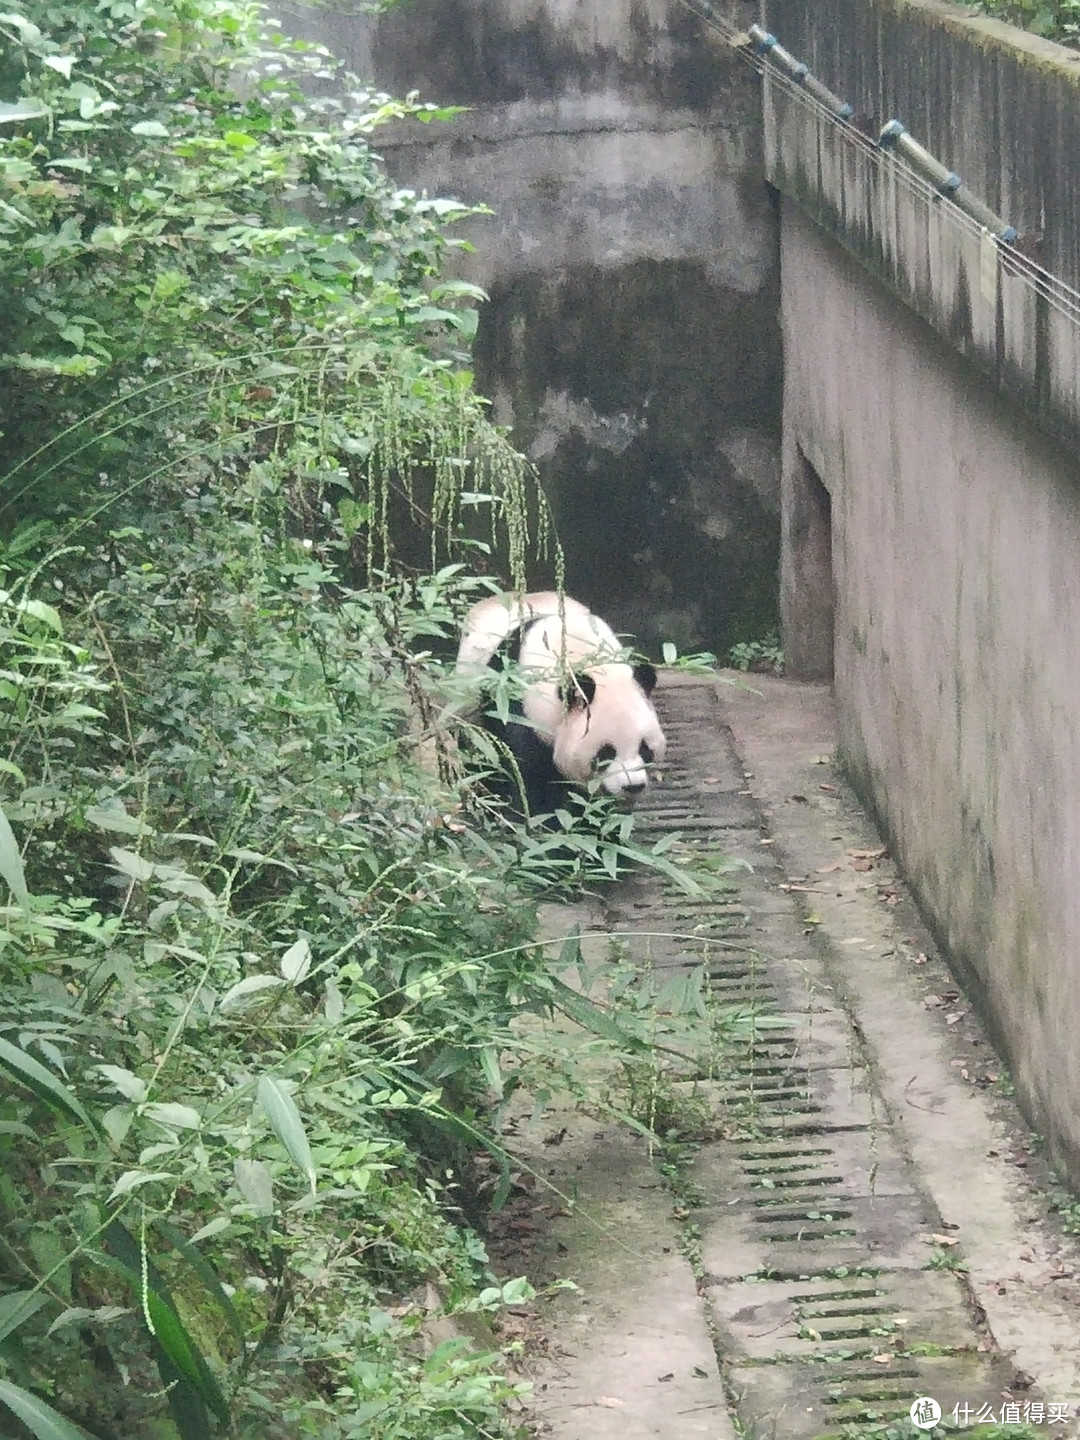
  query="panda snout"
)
[{"x": 625, "y": 784}]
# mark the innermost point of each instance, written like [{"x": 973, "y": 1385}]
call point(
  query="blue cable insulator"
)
[
  {"x": 765, "y": 44},
  {"x": 1009, "y": 235},
  {"x": 800, "y": 73},
  {"x": 890, "y": 134},
  {"x": 846, "y": 111},
  {"x": 950, "y": 184}
]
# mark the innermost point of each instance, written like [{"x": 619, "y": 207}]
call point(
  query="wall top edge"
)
[{"x": 986, "y": 32}]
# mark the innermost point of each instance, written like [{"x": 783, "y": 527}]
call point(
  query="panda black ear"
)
[
  {"x": 580, "y": 692},
  {"x": 645, "y": 676}
]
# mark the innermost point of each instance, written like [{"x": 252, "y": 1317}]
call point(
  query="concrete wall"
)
[
  {"x": 632, "y": 340},
  {"x": 954, "y": 512},
  {"x": 1002, "y": 110}
]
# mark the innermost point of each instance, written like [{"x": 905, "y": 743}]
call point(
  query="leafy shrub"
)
[
  {"x": 257, "y": 999},
  {"x": 207, "y": 271},
  {"x": 259, "y": 978},
  {"x": 1054, "y": 19},
  {"x": 764, "y": 655}
]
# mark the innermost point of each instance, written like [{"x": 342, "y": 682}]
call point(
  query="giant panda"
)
[{"x": 586, "y": 712}]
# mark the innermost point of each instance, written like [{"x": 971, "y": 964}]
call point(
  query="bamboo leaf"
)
[
  {"x": 244, "y": 989},
  {"x": 79, "y": 1314},
  {"x": 43, "y": 1422},
  {"x": 11, "y": 866},
  {"x": 131, "y": 864},
  {"x": 172, "y": 1114},
  {"x": 280, "y": 1109},
  {"x": 206, "y": 1274},
  {"x": 256, "y": 1185},
  {"x": 129, "y": 1084},
  {"x": 117, "y": 819},
  {"x": 29, "y": 1072},
  {"x": 590, "y": 1016},
  {"x": 334, "y": 1005},
  {"x": 489, "y": 1063},
  {"x": 21, "y": 110},
  {"x": 18, "y": 1306},
  {"x": 132, "y": 1179},
  {"x": 296, "y": 962}
]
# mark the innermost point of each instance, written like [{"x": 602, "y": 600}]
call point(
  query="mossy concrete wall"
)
[
  {"x": 998, "y": 107},
  {"x": 632, "y": 340},
  {"x": 955, "y": 506}
]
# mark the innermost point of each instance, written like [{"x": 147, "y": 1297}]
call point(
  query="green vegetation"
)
[
  {"x": 766, "y": 656},
  {"x": 261, "y": 974},
  {"x": 1055, "y": 19}
]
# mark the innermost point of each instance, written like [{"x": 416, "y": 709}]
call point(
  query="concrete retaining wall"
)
[
  {"x": 998, "y": 107},
  {"x": 632, "y": 339},
  {"x": 954, "y": 515}
]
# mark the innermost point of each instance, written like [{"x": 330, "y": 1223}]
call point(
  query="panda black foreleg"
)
[{"x": 529, "y": 784}]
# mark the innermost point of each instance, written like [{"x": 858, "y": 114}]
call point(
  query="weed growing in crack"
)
[{"x": 943, "y": 1259}]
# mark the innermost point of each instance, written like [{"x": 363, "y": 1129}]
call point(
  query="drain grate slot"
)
[
  {"x": 804, "y": 1183},
  {"x": 797, "y": 1155},
  {"x": 806, "y": 1234}
]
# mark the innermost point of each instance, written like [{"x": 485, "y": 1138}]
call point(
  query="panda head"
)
[{"x": 608, "y": 731}]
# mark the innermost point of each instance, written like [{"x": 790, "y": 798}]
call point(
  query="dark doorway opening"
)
[{"x": 807, "y": 591}]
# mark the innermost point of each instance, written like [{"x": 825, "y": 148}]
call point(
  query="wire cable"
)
[{"x": 805, "y": 90}]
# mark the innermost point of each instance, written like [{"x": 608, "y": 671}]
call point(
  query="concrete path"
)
[{"x": 869, "y": 1220}]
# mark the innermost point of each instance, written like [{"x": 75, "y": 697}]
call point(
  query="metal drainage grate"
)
[{"x": 813, "y": 1229}]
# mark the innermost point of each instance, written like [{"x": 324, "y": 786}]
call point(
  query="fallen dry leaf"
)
[
  {"x": 883, "y": 1359},
  {"x": 609, "y": 1402}
]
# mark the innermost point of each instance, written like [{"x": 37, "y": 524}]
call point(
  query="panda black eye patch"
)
[
  {"x": 645, "y": 751},
  {"x": 605, "y": 753}
]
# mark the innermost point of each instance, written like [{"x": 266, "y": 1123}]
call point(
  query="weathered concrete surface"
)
[
  {"x": 632, "y": 338},
  {"x": 932, "y": 1065},
  {"x": 955, "y": 549},
  {"x": 1002, "y": 110},
  {"x": 634, "y": 1356},
  {"x": 628, "y": 1353}
]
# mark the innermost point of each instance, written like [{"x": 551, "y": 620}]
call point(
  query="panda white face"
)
[{"x": 609, "y": 731}]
